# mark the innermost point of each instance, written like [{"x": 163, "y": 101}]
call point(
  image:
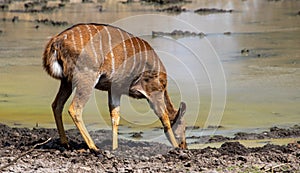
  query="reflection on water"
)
[{"x": 263, "y": 87}]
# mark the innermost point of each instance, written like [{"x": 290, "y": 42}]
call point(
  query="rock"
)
[
  {"x": 173, "y": 9},
  {"x": 218, "y": 138},
  {"x": 233, "y": 148},
  {"x": 183, "y": 156},
  {"x": 100, "y": 8},
  {"x": 245, "y": 51},
  {"x": 85, "y": 168},
  {"x": 108, "y": 154},
  {"x": 45, "y": 8},
  {"x": 211, "y": 10},
  {"x": 178, "y": 33},
  {"x": 241, "y": 158},
  {"x": 28, "y": 5},
  {"x": 61, "y": 5},
  {"x": 52, "y": 22},
  {"x": 159, "y": 157},
  {"x": 87, "y": 1},
  {"x": 137, "y": 135},
  {"x": 188, "y": 164},
  {"x": 15, "y": 19},
  {"x": 144, "y": 158},
  {"x": 162, "y": 2},
  {"x": 4, "y": 7}
]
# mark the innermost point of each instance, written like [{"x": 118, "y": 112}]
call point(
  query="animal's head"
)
[{"x": 178, "y": 126}]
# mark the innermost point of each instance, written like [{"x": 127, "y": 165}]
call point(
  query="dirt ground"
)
[{"x": 22, "y": 151}]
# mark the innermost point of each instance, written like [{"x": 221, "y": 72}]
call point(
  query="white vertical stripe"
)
[
  {"x": 100, "y": 44},
  {"x": 158, "y": 64},
  {"x": 129, "y": 37},
  {"x": 124, "y": 49},
  {"x": 80, "y": 36},
  {"x": 153, "y": 58},
  {"x": 140, "y": 52},
  {"x": 146, "y": 55},
  {"x": 92, "y": 43},
  {"x": 133, "y": 49},
  {"x": 97, "y": 79},
  {"x": 73, "y": 40},
  {"x": 111, "y": 51}
]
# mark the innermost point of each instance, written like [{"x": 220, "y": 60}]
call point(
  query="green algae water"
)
[{"x": 262, "y": 86}]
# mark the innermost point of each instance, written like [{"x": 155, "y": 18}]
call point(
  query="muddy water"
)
[{"x": 261, "y": 86}]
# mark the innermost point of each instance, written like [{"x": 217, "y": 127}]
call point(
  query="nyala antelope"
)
[{"x": 88, "y": 56}]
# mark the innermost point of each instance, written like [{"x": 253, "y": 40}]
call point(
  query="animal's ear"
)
[
  {"x": 138, "y": 87},
  {"x": 178, "y": 126},
  {"x": 180, "y": 113},
  {"x": 182, "y": 108}
]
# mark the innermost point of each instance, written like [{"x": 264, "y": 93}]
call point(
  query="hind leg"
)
[
  {"x": 83, "y": 93},
  {"x": 157, "y": 103},
  {"x": 62, "y": 96}
]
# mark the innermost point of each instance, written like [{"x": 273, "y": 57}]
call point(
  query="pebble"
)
[
  {"x": 188, "y": 164},
  {"x": 85, "y": 168},
  {"x": 159, "y": 157},
  {"x": 15, "y": 19},
  {"x": 183, "y": 156},
  {"x": 144, "y": 158}
]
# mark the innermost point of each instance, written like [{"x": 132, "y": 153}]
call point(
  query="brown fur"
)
[{"x": 129, "y": 66}]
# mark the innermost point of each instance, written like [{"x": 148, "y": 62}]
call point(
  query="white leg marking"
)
[{"x": 114, "y": 120}]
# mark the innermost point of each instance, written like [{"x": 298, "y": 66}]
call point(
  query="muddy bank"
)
[
  {"x": 178, "y": 34},
  {"x": 212, "y": 10},
  {"x": 134, "y": 156},
  {"x": 273, "y": 133}
]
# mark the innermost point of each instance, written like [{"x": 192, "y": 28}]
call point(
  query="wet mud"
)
[
  {"x": 20, "y": 152},
  {"x": 272, "y": 133}
]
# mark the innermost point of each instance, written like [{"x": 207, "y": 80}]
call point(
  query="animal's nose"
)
[{"x": 183, "y": 145}]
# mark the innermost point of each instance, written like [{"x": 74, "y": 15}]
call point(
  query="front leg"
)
[
  {"x": 157, "y": 103},
  {"x": 114, "y": 110}
]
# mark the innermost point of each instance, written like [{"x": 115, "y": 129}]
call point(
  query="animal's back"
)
[{"x": 110, "y": 51}]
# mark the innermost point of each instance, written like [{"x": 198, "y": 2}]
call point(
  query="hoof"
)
[
  {"x": 66, "y": 146},
  {"x": 97, "y": 152}
]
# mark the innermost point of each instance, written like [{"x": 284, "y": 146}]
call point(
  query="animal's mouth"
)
[
  {"x": 182, "y": 145},
  {"x": 178, "y": 126}
]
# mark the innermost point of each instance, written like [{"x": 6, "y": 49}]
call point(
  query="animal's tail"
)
[{"x": 52, "y": 62}]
